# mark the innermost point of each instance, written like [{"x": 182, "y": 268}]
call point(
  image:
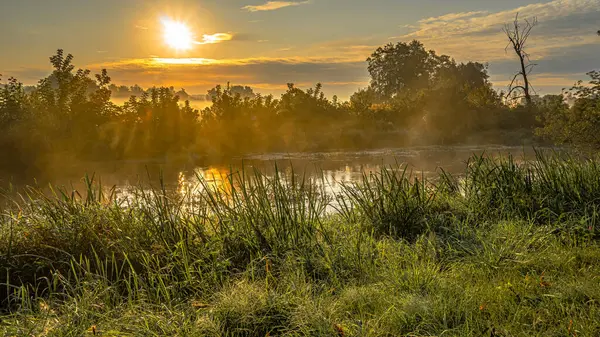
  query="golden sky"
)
[{"x": 266, "y": 44}]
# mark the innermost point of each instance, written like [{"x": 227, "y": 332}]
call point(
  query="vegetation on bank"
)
[
  {"x": 508, "y": 248},
  {"x": 416, "y": 97}
]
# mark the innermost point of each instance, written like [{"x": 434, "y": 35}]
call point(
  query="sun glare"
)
[{"x": 177, "y": 35}]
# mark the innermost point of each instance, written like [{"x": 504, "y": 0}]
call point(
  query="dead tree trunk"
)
[{"x": 517, "y": 39}]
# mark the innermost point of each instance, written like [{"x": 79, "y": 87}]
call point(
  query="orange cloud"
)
[
  {"x": 215, "y": 38},
  {"x": 273, "y": 5},
  {"x": 160, "y": 62},
  {"x": 270, "y": 74}
]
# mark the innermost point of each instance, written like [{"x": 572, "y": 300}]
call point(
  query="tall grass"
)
[{"x": 507, "y": 248}]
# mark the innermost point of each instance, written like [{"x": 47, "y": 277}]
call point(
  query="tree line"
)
[{"x": 415, "y": 97}]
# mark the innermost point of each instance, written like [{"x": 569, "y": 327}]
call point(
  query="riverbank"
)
[{"x": 506, "y": 249}]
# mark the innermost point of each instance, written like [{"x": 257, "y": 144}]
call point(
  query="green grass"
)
[{"x": 505, "y": 249}]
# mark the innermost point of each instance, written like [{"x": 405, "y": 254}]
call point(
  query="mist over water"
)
[{"x": 330, "y": 169}]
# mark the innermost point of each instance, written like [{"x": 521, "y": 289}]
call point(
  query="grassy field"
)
[{"x": 504, "y": 249}]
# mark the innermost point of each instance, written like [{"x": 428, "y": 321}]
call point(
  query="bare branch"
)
[
  {"x": 517, "y": 87},
  {"x": 530, "y": 67},
  {"x": 517, "y": 35},
  {"x": 513, "y": 80}
]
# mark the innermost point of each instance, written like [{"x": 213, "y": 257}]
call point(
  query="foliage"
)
[
  {"x": 69, "y": 115},
  {"x": 402, "y": 66},
  {"x": 579, "y": 124},
  {"x": 464, "y": 256},
  {"x": 416, "y": 97}
]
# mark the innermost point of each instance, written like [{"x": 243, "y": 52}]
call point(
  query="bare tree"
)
[{"x": 517, "y": 34}]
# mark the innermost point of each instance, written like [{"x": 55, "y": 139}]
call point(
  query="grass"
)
[{"x": 506, "y": 249}]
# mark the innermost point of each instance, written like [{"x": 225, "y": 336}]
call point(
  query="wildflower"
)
[
  {"x": 93, "y": 330},
  {"x": 99, "y": 306},
  {"x": 339, "y": 329},
  {"x": 543, "y": 283},
  {"x": 44, "y": 306},
  {"x": 482, "y": 307},
  {"x": 199, "y": 305}
]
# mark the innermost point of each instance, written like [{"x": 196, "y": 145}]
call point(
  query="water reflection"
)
[{"x": 327, "y": 170}]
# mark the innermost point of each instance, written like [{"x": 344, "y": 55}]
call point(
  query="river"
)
[{"x": 329, "y": 168}]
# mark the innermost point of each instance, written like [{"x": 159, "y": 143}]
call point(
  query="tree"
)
[
  {"x": 183, "y": 95},
  {"x": 517, "y": 35},
  {"x": 12, "y": 103},
  {"x": 401, "y": 66},
  {"x": 578, "y": 125},
  {"x": 362, "y": 100},
  {"x": 244, "y": 91}
]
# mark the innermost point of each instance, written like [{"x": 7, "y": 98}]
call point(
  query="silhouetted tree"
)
[
  {"x": 244, "y": 91},
  {"x": 518, "y": 34},
  {"x": 12, "y": 103},
  {"x": 413, "y": 93},
  {"x": 401, "y": 66},
  {"x": 183, "y": 95}
]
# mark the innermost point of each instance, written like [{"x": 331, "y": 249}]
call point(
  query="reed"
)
[{"x": 506, "y": 248}]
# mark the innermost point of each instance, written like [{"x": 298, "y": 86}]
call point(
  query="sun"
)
[{"x": 177, "y": 35}]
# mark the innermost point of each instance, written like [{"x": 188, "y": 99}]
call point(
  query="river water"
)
[{"x": 329, "y": 168}]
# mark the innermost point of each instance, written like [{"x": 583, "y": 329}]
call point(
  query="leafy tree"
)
[
  {"x": 13, "y": 103},
  {"x": 578, "y": 125},
  {"x": 401, "y": 66},
  {"x": 14, "y": 113},
  {"x": 362, "y": 100}
]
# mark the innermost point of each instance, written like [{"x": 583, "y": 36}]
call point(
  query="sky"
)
[{"x": 267, "y": 44}]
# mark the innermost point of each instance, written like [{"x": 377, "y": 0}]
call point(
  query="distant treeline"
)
[
  {"x": 123, "y": 91},
  {"x": 415, "y": 97}
]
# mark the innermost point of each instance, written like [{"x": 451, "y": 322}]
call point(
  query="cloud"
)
[
  {"x": 451, "y": 17},
  {"x": 27, "y": 75},
  {"x": 157, "y": 62},
  {"x": 544, "y": 80},
  {"x": 479, "y": 36},
  {"x": 563, "y": 44},
  {"x": 273, "y": 5},
  {"x": 339, "y": 76},
  {"x": 215, "y": 38}
]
